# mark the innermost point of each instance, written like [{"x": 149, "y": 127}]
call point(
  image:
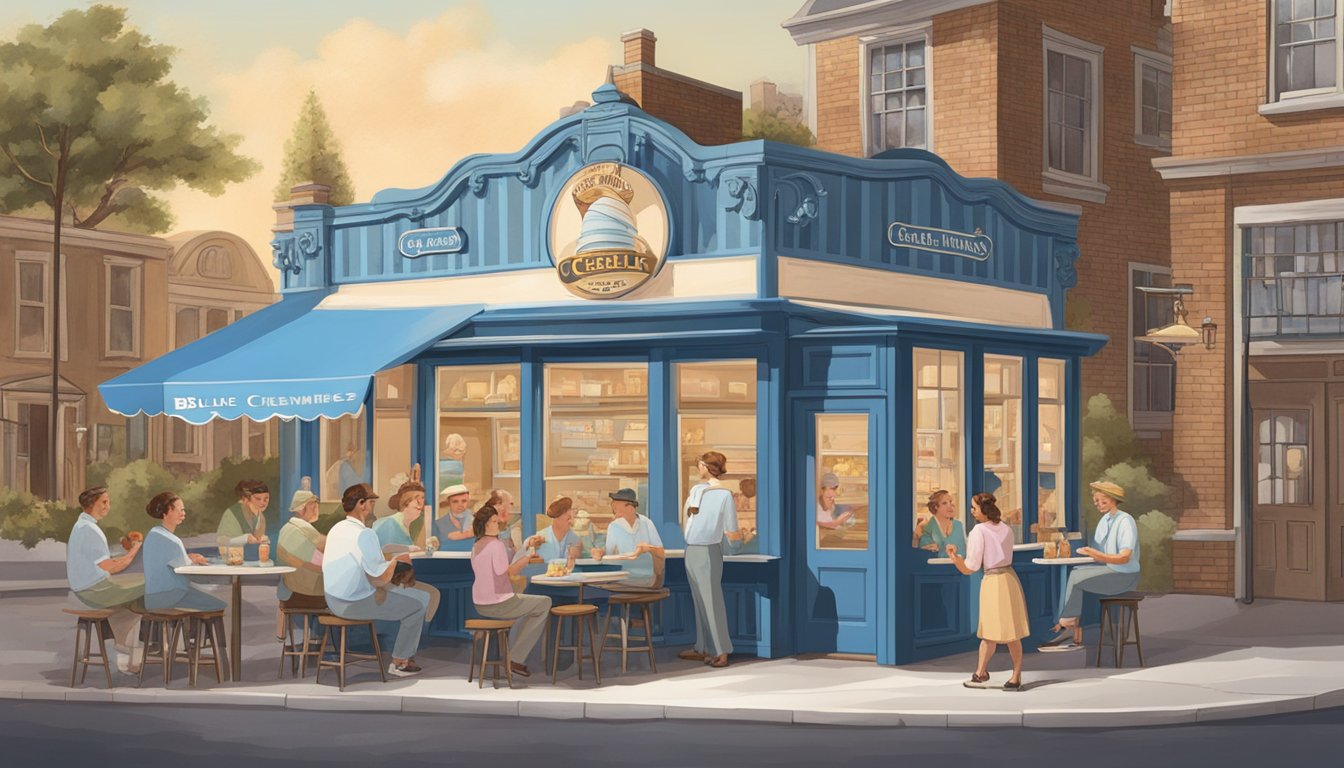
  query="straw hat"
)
[
  {"x": 1110, "y": 489},
  {"x": 301, "y": 499},
  {"x": 451, "y": 491}
]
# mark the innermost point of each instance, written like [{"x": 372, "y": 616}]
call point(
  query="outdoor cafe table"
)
[
  {"x": 1068, "y": 562},
  {"x": 580, "y": 579},
  {"x": 235, "y": 574}
]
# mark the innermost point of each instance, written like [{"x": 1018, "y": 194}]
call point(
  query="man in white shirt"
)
[
  {"x": 635, "y": 536},
  {"x": 94, "y": 576},
  {"x": 357, "y": 580}
]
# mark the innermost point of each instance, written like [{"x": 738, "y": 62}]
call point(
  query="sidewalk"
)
[{"x": 1208, "y": 659}]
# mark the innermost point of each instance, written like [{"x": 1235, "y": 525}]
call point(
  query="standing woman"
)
[
  {"x": 711, "y": 514},
  {"x": 1003, "y": 609},
  {"x": 164, "y": 553}
]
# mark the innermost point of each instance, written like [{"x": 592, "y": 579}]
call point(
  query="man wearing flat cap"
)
[
  {"x": 635, "y": 536},
  {"x": 1115, "y": 549}
]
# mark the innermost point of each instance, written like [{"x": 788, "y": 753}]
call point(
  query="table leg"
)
[
  {"x": 580, "y": 593},
  {"x": 236, "y": 652}
]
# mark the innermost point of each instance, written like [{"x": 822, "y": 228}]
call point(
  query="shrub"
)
[
  {"x": 1155, "y": 534},
  {"x": 210, "y": 494},
  {"x": 130, "y": 488},
  {"x": 28, "y": 519}
]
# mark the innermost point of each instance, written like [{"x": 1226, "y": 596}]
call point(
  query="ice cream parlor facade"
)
[{"x": 596, "y": 310}]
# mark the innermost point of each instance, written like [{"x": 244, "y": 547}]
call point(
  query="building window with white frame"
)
[
  {"x": 897, "y": 93},
  {"x": 1304, "y": 40},
  {"x": 1152, "y": 99},
  {"x": 32, "y": 312},
  {"x": 1152, "y": 371},
  {"x": 123, "y": 299}
]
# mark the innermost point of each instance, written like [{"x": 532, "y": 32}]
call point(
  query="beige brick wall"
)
[
  {"x": 838, "y": 96},
  {"x": 1203, "y": 567}
]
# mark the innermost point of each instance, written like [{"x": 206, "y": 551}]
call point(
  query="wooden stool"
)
[
  {"x": 161, "y": 629},
  {"x": 1128, "y": 605},
  {"x": 481, "y": 630},
  {"x": 293, "y": 651},
  {"x": 584, "y": 616},
  {"x": 624, "y": 601},
  {"x": 91, "y": 621},
  {"x": 205, "y": 628},
  {"x": 346, "y": 657}
]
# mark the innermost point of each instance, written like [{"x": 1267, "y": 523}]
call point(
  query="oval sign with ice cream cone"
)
[{"x": 609, "y": 231}]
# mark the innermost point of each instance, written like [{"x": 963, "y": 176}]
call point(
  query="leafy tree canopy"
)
[
  {"x": 88, "y": 118},
  {"x": 759, "y": 124},
  {"x": 312, "y": 154}
]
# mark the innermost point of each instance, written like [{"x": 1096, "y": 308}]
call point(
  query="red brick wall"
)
[
  {"x": 838, "y": 96},
  {"x": 707, "y": 116},
  {"x": 1203, "y": 567}
]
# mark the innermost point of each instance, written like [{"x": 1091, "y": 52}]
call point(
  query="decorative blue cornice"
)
[{"x": 291, "y": 249}]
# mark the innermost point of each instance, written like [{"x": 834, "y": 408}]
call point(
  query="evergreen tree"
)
[{"x": 312, "y": 154}]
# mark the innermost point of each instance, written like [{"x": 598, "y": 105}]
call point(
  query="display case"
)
[
  {"x": 479, "y": 439},
  {"x": 1003, "y": 437},
  {"x": 716, "y": 411},
  {"x": 843, "y": 451}
]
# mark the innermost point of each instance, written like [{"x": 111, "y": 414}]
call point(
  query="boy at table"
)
[
  {"x": 633, "y": 535},
  {"x": 96, "y": 577},
  {"x": 1115, "y": 550}
]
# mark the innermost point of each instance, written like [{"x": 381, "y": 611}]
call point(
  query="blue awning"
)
[{"x": 294, "y": 359}]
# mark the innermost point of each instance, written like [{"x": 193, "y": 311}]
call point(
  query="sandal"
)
[
  {"x": 977, "y": 681},
  {"x": 718, "y": 662},
  {"x": 692, "y": 655},
  {"x": 1013, "y": 685}
]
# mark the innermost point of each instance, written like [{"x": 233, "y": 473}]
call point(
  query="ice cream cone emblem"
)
[{"x": 617, "y": 240}]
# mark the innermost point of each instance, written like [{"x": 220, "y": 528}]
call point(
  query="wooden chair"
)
[
  {"x": 344, "y": 656},
  {"x": 298, "y": 654},
  {"x": 161, "y": 630},
  {"x": 205, "y": 629},
  {"x": 90, "y": 622},
  {"x": 1128, "y": 606},
  {"x": 624, "y": 601},
  {"x": 481, "y": 630},
  {"x": 583, "y": 615}
]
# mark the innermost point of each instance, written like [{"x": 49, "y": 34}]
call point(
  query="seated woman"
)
[
  {"x": 245, "y": 522},
  {"x": 394, "y": 533},
  {"x": 493, "y": 595},
  {"x": 559, "y": 540},
  {"x": 164, "y": 553},
  {"x": 936, "y": 532}
]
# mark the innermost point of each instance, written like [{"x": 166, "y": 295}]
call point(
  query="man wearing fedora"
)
[
  {"x": 635, "y": 536},
  {"x": 1115, "y": 548}
]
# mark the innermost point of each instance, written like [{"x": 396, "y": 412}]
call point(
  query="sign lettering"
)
[{"x": 976, "y": 246}]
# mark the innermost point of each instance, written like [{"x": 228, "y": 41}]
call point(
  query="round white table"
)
[
  {"x": 1068, "y": 563},
  {"x": 235, "y": 574},
  {"x": 580, "y": 579}
]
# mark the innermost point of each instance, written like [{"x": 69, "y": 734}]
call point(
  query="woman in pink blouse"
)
[
  {"x": 493, "y": 595},
  {"x": 1003, "y": 609}
]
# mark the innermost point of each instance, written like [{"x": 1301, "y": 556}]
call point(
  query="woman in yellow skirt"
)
[{"x": 1003, "y": 609}]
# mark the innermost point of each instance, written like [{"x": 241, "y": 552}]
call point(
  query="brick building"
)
[
  {"x": 708, "y": 113},
  {"x": 1256, "y": 182}
]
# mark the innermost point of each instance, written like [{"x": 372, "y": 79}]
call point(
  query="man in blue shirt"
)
[
  {"x": 94, "y": 576},
  {"x": 1115, "y": 548},
  {"x": 634, "y": 536}
]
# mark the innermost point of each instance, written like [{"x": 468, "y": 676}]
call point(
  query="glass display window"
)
[
  {"x": 597, "y": 441},
  {"x": 1003, "y": 437},
  {"x": 1050, "y": 448},
  {"x": 393, "y": 408},
  {"x": 939, "y": 447},
  {"x": 478, "y": 437},
  {"x": 716, "y": 411},
  {"x": 344, "y": 457},
  {"x": 842, "y": 482}
]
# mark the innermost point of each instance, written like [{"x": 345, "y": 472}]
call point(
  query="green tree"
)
[
  {"x": 90, "y": 125},
  {"x": 759, "y": 124},
  {"x": 312, "y": 154}
]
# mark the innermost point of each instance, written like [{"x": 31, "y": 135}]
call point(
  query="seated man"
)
[
  {"x": 94, "y": 576},
  {"x": 1116, "y": 550},
  {"x": 356, "y": 580},
  {"x": 300, "y": 547},
  {"x": 455, "y": 508},
  {"x": 633, "y": 535}
]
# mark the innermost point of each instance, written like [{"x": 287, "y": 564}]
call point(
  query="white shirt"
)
[
  {"x": 353, "y": 555},
  {"x": 717, "y": 516},
  {"x": 623, "y": 538},
  {"x": 85, "y": 550}
]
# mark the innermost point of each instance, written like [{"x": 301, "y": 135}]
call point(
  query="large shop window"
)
[
  {"x": 344, "y": 455},
  {"x": 1050, "y": 447},
  {"x": 842, "y": 452},
  {"x": 1283, "y": 468},
  {"x": 479, "y": 442},
  {"x": 939, "y": 451},
  {"x": 716, "y": 411},
  {"x": 393, "y": 408},
  {"x": 1294, "y": 279},
  {"x": 1003, "y": 437},
  {"x": 597, "y": 440}
]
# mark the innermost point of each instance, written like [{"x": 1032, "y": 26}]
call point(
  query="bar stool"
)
[
  {"x": 644, "y": 619},
  {"x": 90, "y": 621},
  {"x": 346, "y": 657},
  {"x": 291, "y": 650},
  {"x": 205, "y": 629},
  {"x": 481, "y": 630},
  {"x": 161, "y": 629},
  {"x": 583, "y": 615},
  {"x": 1128, "y": 605}
]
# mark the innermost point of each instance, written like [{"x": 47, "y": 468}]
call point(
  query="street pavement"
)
[{"x": 1208, "y": 659}]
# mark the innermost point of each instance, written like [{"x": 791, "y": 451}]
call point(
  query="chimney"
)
[
  {"x": 308, "y": 193},
  {"x": 639, "y": 47}
]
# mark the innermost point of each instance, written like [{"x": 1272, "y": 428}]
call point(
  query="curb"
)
[{"x": 616, "y": 712}]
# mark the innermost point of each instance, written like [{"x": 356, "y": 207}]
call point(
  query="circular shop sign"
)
[{"x": 609, "y": 231}]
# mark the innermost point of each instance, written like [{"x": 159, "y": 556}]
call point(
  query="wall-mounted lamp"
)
[
  {"x": 1174, "y": 336},
  {"x": 80, "y": 431}
]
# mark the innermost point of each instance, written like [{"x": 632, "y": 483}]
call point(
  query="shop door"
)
[
  {"x": 838, "y": 594},
  {"x": 38, "y": 423},
  {"x": 1334, "y": 486},
  {"x": 1289, "y": 494}
]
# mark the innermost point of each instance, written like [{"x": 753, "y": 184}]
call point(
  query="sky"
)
[{"x": 412, "y": 86}]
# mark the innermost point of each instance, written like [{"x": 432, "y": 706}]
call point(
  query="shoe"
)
[
  {"x": 1012, "y": 686},
  {"x": 977, "y": 681},
  {"x": 1065, "y": 637},
  {"x": 520, "y": 669},
  {"x": 718, "y": 662},
  {"x": 692, "y": 655},
  {"x": 402, "y": 670},
  {"x": 1055, "y": 646}
]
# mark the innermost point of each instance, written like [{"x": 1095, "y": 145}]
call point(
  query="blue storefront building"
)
[{"x": 596, "y": 310}]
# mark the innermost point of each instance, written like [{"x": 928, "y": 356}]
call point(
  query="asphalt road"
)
[{"x": 59, "y": 734}]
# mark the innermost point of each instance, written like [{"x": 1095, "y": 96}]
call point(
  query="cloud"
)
[{"x": 405, "y": 107}]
